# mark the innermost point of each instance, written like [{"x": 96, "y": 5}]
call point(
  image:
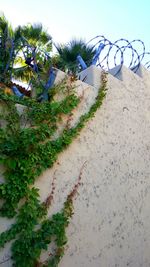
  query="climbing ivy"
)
[{"x": 28, "y": 147}]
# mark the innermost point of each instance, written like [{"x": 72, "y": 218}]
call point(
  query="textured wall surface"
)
[{"x": 111, "y": 222}]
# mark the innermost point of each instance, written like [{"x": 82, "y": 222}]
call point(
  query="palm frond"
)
[
  {"x": 68, "y": 54},
  {"x": 23, "y": 74},
  {"x": 35, "y": 34}
]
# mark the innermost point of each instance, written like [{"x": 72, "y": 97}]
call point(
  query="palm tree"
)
[
  {"x": 23, "y": 51},
  {"x": 9, "y": 45},
  {"x": 66, "y": 59},
  {"x": 37, "y": 64},
  {"x": 37, "y": 44},
  {"x": 24, "y": 55}
]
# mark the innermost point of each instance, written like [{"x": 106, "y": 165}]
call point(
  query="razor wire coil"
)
[{"x": 121, "y": 52}]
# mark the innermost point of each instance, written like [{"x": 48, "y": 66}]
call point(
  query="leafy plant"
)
[{"x": 26, "y": 151}]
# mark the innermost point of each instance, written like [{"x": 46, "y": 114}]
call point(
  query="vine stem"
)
[
  {"x": 50, "y": 197},
  {"x": 78, "y": 183},
  {"x": 69, "y": 199}
]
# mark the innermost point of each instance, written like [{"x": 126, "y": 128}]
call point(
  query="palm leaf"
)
[
  {"x": 35, "y": 34},
  {"x": 23, "y": 74},
  {"x": 68, "y": 54}
]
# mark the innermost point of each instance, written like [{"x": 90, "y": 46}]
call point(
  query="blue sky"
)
[{"x": 65, "y": 19}]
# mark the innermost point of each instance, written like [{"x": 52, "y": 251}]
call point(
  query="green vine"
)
[{"x": 26, "y": 151}]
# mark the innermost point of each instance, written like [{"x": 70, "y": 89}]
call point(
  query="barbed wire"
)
[{"x": 119, "y": 53}]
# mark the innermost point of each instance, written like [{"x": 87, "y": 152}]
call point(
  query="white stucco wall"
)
[{"x": 111, "y": 222}]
